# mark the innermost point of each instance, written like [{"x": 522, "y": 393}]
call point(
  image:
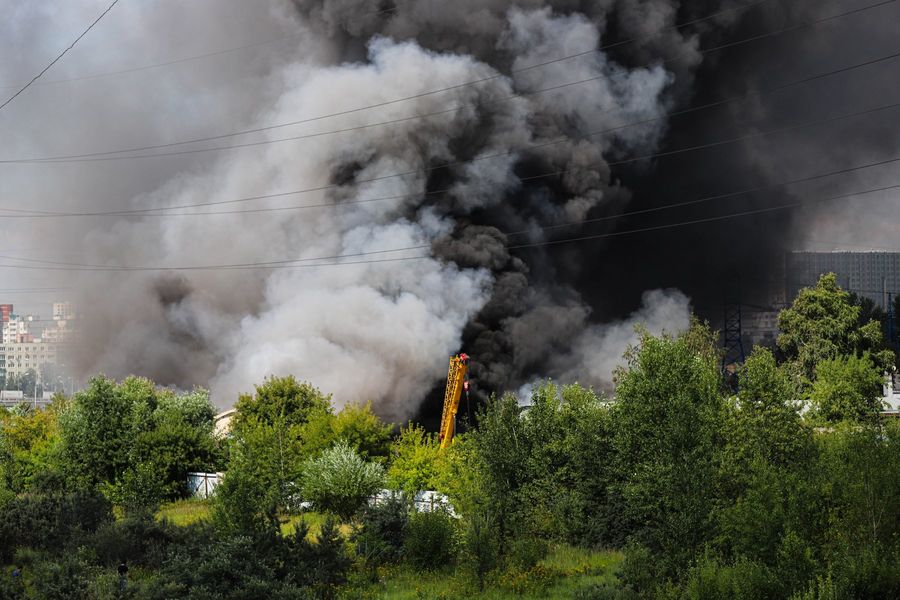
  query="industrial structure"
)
[{"x": 457, "y": 382}]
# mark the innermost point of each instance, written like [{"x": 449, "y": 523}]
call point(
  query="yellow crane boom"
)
[{"x": 456, "y": 382}]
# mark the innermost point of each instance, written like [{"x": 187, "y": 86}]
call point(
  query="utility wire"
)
[
  {"x": 118, "y": 154},
  {"x": 62, "y": 266},
  {"x": 63, "y": 53},
  {"x": 154, "y": 210},
  {"x": 416, "y": 96},
  {"x": 182, "y": 59},
  {"x": 556, "y": 173},
  {"x": 292, "y": 263},
  {"x": 166, "y": 63}
]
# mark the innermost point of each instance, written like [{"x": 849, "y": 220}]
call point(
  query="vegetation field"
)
[{"x": 777, "y": 478}]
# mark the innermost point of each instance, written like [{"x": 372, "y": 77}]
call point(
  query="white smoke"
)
[{"x": 598, "y": 351}]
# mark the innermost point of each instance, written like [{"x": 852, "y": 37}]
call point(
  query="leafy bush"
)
[
  {"x": 50, "y": 522},
  {"x": 526, "y": 552},
  {"x": 66, "y": 578},
  {"x": 429, "y": 540},
  {"x": 140, "y": 541},
  {"x": 379, "y": 539},
  {"x": 481, "y": 544},
  {"x": 340, "y": 481}
]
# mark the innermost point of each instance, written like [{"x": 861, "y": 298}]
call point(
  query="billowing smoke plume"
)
[{"x": 493, "y": 175}]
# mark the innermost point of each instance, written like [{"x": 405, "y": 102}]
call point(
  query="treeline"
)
[{"x": 781, "y": 482}]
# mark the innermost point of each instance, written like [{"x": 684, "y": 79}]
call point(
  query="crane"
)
[{"x": 457, "y": 381}]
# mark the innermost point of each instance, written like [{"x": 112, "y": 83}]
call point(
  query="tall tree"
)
[
  {"x": 666, "y": 427},
  {"x": 823, "y": 323}
]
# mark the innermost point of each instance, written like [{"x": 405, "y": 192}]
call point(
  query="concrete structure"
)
[
  {"x": 63, "y": 311},
  {"x": 222, "y": 423},
  {"x": 17, "y": 329},
  {"x": 874, "y": 275},
  {"x": 22, "y": 356},
  {"x": 760, "y": 327},
  {"x": 57, "y": 333}
]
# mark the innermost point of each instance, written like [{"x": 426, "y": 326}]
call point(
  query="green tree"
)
[
  {"x": 282, "y": 401},
  {"x": 355, "y": 424},
  {"x": 340, "y": 480},
  {"x": 96, "y": 431},
  {"x": 763, "y": 421},
  {"x": 823, "y": 323},
  {"x": 414, "y": 463},
  {"x": 846, "y": 387},
  {"x": 666, "y": 434},
  {"x": 29, "y": 445}
]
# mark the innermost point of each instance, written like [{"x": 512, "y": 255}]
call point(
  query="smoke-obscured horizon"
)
[{"x": 475, "y": 171}]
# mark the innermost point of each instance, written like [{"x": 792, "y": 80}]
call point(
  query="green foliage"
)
[
  {"x": 282, "y": 401},
  {"x": 666, "y": 433},
  {"x": 354, "y": 424},
  {"x": 243, "y": 503},
  {"x": 382, "y": 529},
  {"x": 66, "y": 578},
  {"x": 96, "y": 432},
  {"x": 29, "y": 447},
  {"x": 414, "y": 464},
  {"x": 113, "y": 434},
  {"x": 340, "y": 480},
  {"x": 710, "y": 579},
  {"x": 544, "y": 471},
  {"x": 50, "y": 522},
  {"x": 139, "y": 491},
  {"x": 481, "y": 545},
  {"x": 429, "y": 542},
  {"x": 846, "y": 388},
  {"x": 823, "y": 323}
]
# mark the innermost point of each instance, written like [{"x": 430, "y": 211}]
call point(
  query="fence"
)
[{"x": 203, "y": 485}]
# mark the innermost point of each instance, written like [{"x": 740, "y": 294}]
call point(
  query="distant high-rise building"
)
[
  {"x": 63, "y": 311},
  {"x": 5, "y": 311},
  {"x": 874, "y": 275}
]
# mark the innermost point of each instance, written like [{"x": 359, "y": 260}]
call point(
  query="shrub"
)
[
  {"x": 340, "y": 481},
  {"x": 65, "y": 578},
  {"x": 526, "y": 552},
  {"x": 429, "y": 540},
  {"x": 50, "y": 522},
  {"x": 638, "y": 572},
  {"x": 141, "y": 541},
  {"x": 481, "y": 544},
  {"x": 379, "y": 538}
]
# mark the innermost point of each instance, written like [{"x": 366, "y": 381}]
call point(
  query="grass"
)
[
  {"x": 314, "y": 520},
  {"x": 561, "y": 574},
  {"x": 185, "y": 512},
  {"x": 192, "y": 510}
]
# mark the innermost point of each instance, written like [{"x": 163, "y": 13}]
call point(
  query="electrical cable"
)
[
  {"x": 153, "y": 212},
  {"x": 292, "y": 263},
  {"x": 180, "y": 60},
  {"x": 63, "y": 53},
  {"x": 73, "y": 157}
]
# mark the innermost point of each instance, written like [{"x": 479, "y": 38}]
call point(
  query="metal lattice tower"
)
[
  {"x": 732, "y": 332},
  {"x": 734, "y": 344}
]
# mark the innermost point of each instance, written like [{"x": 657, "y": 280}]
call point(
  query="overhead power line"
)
[
  {"x": 165, "y": 63},
  {"x": 41, "y": 264},
  {"x": 73, "y": 157},
  {"x": 183, "y": 59},
  {"x": 61, "y": 54},
  {"x": 158, "y": 211},
  {"x": 828, "y": 120},
  {"x": 62, "y": 266}
]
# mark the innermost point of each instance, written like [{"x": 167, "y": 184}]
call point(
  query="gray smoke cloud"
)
[{"x": 475, "y": 161}]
